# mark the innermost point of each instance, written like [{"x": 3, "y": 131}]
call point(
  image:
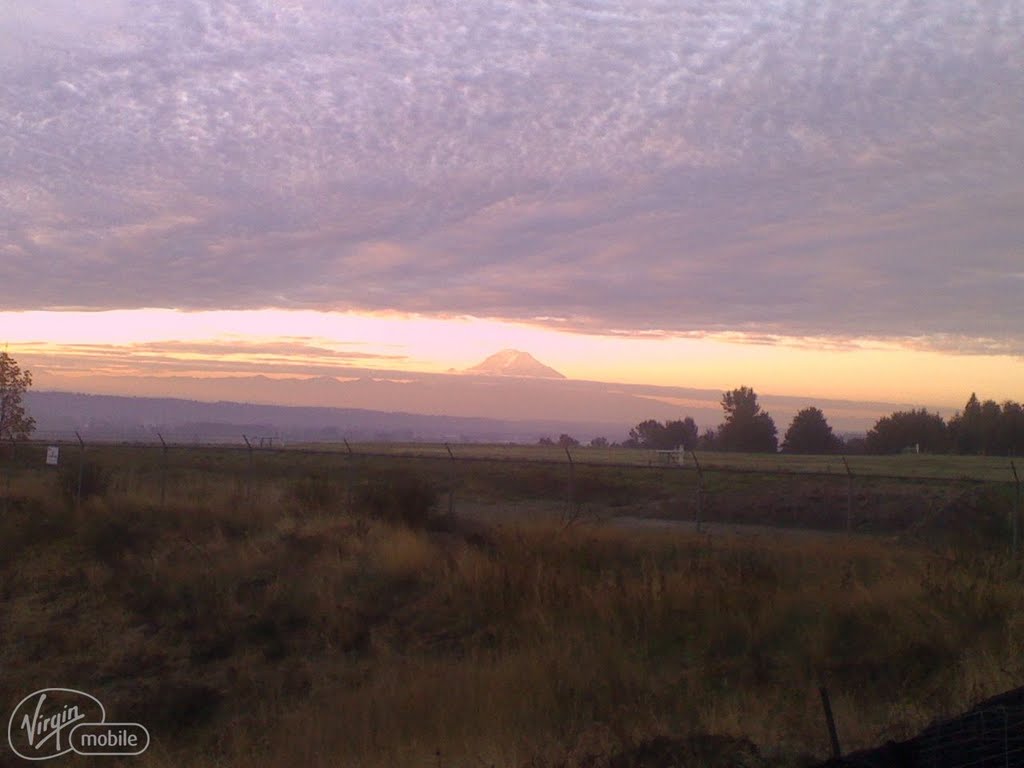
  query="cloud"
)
[
  {"x": 284, "y": 356},
  {"x": 842, "y": 170}
]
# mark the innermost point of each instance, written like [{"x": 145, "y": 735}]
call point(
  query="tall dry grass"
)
[{"x": 261, "y": 632}]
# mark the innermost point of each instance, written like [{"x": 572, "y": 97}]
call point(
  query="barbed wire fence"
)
[
  {"x": 702, "y": 493},
  {"x": 706, "y": 492}
]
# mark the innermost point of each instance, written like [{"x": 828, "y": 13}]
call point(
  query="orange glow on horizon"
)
[{"x": 285, "y": 343}]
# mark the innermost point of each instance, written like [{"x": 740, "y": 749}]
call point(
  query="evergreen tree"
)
[
  {"x": 809, "y": 432},
  {"x": 746, "y": 427}
]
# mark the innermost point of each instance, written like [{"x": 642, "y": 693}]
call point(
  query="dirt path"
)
[
  {"x": 631, "y": 522},
  {"x": 511, "y": 513}
]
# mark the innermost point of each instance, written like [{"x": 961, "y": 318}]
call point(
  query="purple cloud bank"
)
[{"x": 832, "y": 169}]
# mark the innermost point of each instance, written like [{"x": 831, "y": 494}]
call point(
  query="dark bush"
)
[
  {"x": 314, "y": 492},
  {"x": 112, "y": 530},
  {"x": 111, "y": 535},
  {"x": 95, "y": 480},
  {"x": 175, "y": 707},
  {"x": 29, "y": 522},
  {"x": 905, "y": 430},
  {"x": 399, "y": 495}
]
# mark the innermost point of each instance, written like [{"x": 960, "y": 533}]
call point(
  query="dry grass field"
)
[
  {"x": 270, "y": 625},
  {"x": 990, "y": 468}
]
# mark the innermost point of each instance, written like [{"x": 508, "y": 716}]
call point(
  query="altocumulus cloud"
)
[{"x": 827, "y": 169}]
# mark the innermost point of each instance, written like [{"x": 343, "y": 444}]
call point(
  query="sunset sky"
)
[{"x": 808, "y": 198}]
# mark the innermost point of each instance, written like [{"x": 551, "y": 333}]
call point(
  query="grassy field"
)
[
  {"x": 985, "y": 468},
  {"x": 888, "y": 494},
  {"x": 281, "y": 616}
]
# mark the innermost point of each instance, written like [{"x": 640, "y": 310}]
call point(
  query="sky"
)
[{"x": 813, "y": 198}]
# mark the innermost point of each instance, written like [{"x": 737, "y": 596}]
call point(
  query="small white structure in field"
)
[{"x": 676, "y": 456}]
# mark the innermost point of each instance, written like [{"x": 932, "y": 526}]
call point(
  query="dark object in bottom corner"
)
[{"x": 990, "y": 735}]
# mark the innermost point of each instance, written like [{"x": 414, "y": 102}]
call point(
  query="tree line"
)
[
  {"x": 982, "y": 428},
  {"x": 747, "y": 427}
]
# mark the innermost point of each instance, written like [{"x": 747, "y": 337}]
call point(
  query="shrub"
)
[
  {"x": 95, "y": 480},
  {"x": 399, "y": 495},
  {"x": 30, "y": 522},
  {"x": 316, "y": 491},
  {"x": 109, "y": 537},
  {"x": 112, "y": 529}
]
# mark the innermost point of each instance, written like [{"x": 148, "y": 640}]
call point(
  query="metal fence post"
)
[
  {"x": 14, "y": 463},
  {"x": 81, "y": 469},
  {"x": 248, "y": 472},
  {"x": 849, "y": 496},
  {"x": 451, "y": 481},
  {"x": 349, "y": 477},
  {"x": 1016, "y": 511},
  {"x": 570, "y": 495},
  {"x": 8, "y": 468},
  {"x": 699, "y": 513},
  {"x": 830, "y": 722},
  {"x": 163, "y": 473}
]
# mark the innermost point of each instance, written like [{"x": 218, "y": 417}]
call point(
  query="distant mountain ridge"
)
[
  {"x": 179, "y": 420},
  {"x": 535, "y": 404},
  {"x": 515, "y": 362}
]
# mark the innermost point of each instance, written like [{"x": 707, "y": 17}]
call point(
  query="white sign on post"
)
[{"x": 52, "y": 455}]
